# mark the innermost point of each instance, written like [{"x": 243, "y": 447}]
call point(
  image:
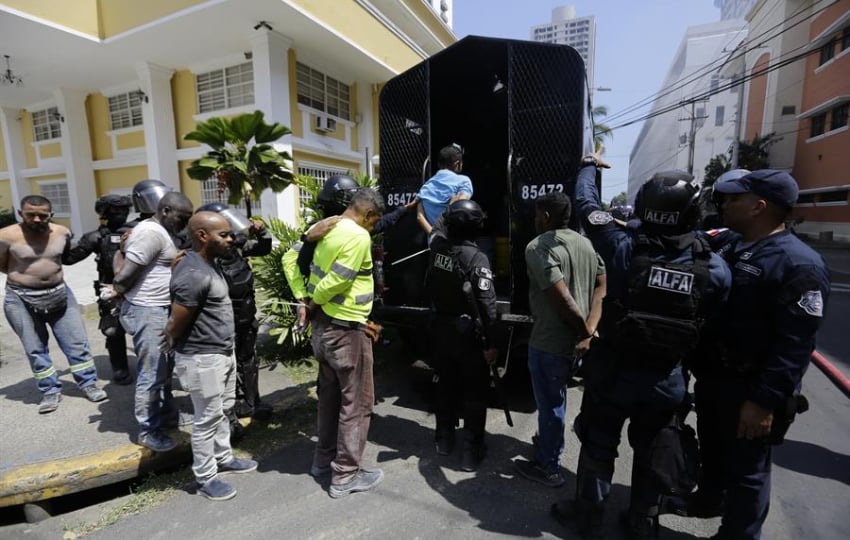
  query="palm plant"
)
[
  {"x": 242, "y": 159},
  {"x": 601, "y": 131}
]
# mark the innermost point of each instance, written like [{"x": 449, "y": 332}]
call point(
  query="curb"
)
[{"x": 38, "y": 482}]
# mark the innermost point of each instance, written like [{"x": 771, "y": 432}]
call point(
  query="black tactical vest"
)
[
  {"x": 109, "y": 244},
  {"x": 660, "y": 318},
  {"x": 446, "y": 275},
  {"x": 240, "y": 281}
]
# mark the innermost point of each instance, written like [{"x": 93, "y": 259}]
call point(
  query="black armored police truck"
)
[{"x": 521, "y": 113}]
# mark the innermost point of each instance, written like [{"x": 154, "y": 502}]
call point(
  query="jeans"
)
[
  {"x": 346, "y": 397},
  {"x": 69, "y": 332},
  {"x": 549, "y": 375},
  {"x": 146, "y": 325},
  {"x": 210, "y": 380}
]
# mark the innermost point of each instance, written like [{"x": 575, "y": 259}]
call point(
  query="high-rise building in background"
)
[
  {"x": 567, "y": 29},
  {"x": 734, "y": 9}
]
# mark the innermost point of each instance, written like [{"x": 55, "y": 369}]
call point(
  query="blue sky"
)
[{"x": 635, "y": 44}]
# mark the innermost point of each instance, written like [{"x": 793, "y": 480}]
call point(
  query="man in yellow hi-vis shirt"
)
[{"x": 341, "y": 290}]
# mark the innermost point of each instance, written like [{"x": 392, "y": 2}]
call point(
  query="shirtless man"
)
[{"x": 36, "y": 296}]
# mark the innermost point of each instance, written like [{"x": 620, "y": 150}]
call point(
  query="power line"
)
[{"x": 699, "y": 73}]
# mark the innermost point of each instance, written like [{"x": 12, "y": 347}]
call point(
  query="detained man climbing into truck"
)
[{"x": 444, "y": 188}]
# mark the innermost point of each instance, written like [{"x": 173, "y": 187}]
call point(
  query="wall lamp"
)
[
  {"x": 57, "y": 116},
  {"x": 140, "y": 94}
]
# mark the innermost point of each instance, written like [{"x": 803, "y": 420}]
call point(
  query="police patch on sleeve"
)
[
  {"x": 600, "y": 217},
  {"x": 485, "y": 278},
  {"x": 812, "y": 303}
]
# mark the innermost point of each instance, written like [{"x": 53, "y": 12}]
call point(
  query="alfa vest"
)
[
  {"x": 240, "y": 282},
  {"x": 660, "y": 319},
  {"x": 109, "y": 243},
  {"x": 447, "y": 271}
]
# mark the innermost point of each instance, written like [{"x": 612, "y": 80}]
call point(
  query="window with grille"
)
[
  {"x": 319, "y": 175},
  {"x": 125, "y": 110},
  {"x": 57, "y": 194},
  {"x": 839, "y": 117},
  {"x": 818, "y": 125},
  {"x": 45, "y": 124},
  {"x": 225, "y": 88},
  {"x": 210, "y": 194},
  {"x": 323, "y": 93}
]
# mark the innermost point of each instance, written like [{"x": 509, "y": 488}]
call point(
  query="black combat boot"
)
[
  {"x": 639, "y": 526},
  {"x": 444, "y": 440},
  {"x": 582, "y": 517},
  {"x": 473, "y": 453}
]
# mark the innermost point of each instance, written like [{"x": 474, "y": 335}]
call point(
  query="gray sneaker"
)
[
  {"x": 216, "y": 490},
  {"x": 157, "y": 441},
  {"x": 49, "y": 402},
  {"x": 94, "y": 393},
  {"x": 364, "y": 480}
]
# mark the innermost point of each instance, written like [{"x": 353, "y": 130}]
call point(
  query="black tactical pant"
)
[
  {"x": 463, "y": 380},
  {"x": 247, "y": 368}
]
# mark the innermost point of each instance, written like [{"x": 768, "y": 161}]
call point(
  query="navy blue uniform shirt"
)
[{"x": 779, "y": 292}]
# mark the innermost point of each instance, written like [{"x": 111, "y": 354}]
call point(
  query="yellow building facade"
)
[{"x": 109, "y": 89}]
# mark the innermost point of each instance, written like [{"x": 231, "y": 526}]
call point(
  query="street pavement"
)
[{"x": 424, "y": 496}]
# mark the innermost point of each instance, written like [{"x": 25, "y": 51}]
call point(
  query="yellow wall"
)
[
  {"x": 3, "y": 165},
  {"x": 432, "y": 20},
  {"x": 295, "y": 114},
  {"x": 125, "y": 177},
  {"x": 50, "y": 150},
  {"x": 185, "y": 106},
  {"x": 375, "y": 119},
  {"x": 352, "y": 21},
  {"x": 127, "y": 141},
  {"x": 6, "y": 195},
  {"x": 117, "y": 17},
  {"x": 190, "y": 187},
  {"x": 353, "y": 166},
  {"x": 80, "y": 15},
  {"x": 97, "y": 111},
  {"x": 26, "y": 129}
]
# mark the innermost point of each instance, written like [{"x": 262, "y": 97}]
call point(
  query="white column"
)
[
  {"x": 158, "y": 118},
  {"x": 76, "y": 151},
  {"x": 16, "y": 158},
  {"x": 270, "y": 56},
  {"x": 365, "y": 127}
]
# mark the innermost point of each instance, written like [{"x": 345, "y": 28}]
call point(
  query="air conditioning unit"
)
[{"x": 325, "y": 124}]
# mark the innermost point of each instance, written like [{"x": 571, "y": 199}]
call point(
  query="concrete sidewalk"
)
[{"x": 82, "y": 445}]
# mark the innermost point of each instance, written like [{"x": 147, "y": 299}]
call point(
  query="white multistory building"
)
[
  {"x": 734, "y": 9},
  {"x": 566, "y": 28},
  {"x": 684, "y": 126}
]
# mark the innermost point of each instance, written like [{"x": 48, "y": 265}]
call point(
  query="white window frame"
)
[
  {"x": 319, "y": 172},
  {"x": 46, "y": 119},
  {"x": 60, "y": 203},
  {"x": 125, "y": 110},
  {"x": 316, "y": 90},
  {"x": 209, "y": 194},
  {"x": 225, "y": 88}
]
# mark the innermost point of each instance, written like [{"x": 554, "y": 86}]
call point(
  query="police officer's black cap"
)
[{"x": 774, "y": 186}]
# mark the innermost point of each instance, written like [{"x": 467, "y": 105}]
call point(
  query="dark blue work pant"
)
[
  {"x": 738, "y": 467},
  {"x": 649, "y": 400}
]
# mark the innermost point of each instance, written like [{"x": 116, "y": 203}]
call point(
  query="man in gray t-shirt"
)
[
  {"x": 566, "y": 286},
  {"x": 200, "y": 331}
]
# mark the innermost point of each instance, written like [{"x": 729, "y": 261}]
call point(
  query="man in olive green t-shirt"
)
[{"x": 566, "y": 286}]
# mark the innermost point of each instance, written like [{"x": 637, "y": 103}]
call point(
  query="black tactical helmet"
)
[
  {"x": 623, "y": 212},
  {"x": 335, "y": 195},
  {"x": 668, "y": 202},
  {"x": 464, "y": 216},
  {"x": 115, "y": 201},
  {"x": 147, "y": 194},
  {"x": 238, "y": 222}
]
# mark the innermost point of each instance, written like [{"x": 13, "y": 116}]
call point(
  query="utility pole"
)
[
  {"x": 692, "y": 134},
  {"x": 739, "y": 114}
]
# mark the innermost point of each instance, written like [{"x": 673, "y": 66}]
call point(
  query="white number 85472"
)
[{"x": 532, "y": 192}]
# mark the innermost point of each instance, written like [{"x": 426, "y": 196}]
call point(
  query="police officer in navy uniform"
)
[
  {"x": 748, "y": 393},
  {"x": 462, "y": 330},
  {"x": 104, "y": 242},
  {"x": 663, "y": 284}
]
